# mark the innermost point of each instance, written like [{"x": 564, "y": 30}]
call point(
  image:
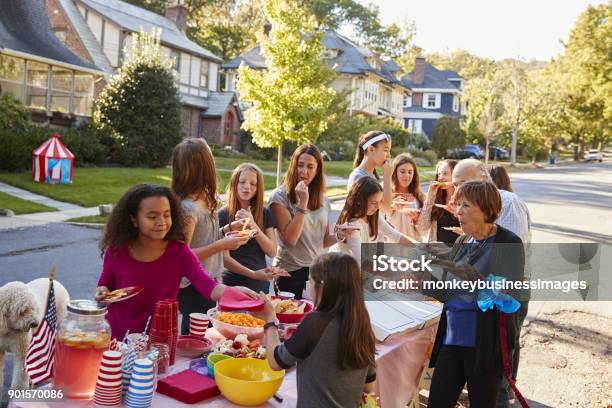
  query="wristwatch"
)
[{"x": 270, "y": 324}]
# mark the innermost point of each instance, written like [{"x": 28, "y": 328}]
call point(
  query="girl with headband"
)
[{"x": 374, "y": 150}]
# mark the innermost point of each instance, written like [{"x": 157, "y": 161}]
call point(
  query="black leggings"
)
[
  {"x": 296, "y": 283},
  {"x": 455, "y": 367},
  {"x": 190, "y": 301}
]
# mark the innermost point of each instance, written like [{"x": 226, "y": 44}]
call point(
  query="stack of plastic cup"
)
[
  {"x": 198, "y": 323},
  {"x": 129, "y": 357},
  {"x": 142, "y": 384},
  {"x": 108, "y": 385},
  {"x": 161, "y": 325}
]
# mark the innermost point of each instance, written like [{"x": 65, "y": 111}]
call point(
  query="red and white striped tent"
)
[{"x": 52, "y": 162}]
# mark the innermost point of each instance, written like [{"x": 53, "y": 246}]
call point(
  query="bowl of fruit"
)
[
  {"x": 231, "y": 324},
  {"x": 241, "y": 347}
]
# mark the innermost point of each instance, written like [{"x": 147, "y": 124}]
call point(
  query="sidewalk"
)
[{"x": 65, "y": 211}]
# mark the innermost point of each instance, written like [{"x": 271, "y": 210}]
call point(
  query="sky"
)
[{"x": 498, "y": 29}]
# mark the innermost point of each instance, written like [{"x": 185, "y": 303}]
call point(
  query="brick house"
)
[
  {"x": 100, "y": 30},
  {"x": 54, "y": 83}
]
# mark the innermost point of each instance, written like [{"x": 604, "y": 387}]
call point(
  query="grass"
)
[
  {"x": 102, "y": 185},
  {"x": 20, "y": 206},
  {"x": 93, "y": 219}
]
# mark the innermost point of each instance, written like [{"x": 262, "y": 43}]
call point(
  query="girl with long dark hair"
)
[
  {"x": 334, "y": 345},
  {"x": 407, "y": 196},
  {"x": 301, "y": 211}
]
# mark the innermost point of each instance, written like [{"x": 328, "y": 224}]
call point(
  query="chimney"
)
[
  {"x": 177, "y": 12},
  {"x": 419, "y": 71}
]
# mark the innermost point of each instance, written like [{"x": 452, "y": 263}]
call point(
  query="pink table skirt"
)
[{"x": 399, "y": 362}]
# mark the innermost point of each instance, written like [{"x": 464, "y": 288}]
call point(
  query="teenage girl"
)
[
  {"x": 143, "y": 245},
  {"x": 246, "y": 265},
  {"x": 194, "y": 180},
  {"x": 301, "y": 211},
  {"x": 334, "y": 345},
  {"x": 360, "y": 221},
  {"x": 374, "y": 150},
  {"x": 407, "y": 196},
  {"x": 438, "y": 221}
]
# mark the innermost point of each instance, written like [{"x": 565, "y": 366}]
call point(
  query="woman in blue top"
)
[{"x": 467, "y": 346}]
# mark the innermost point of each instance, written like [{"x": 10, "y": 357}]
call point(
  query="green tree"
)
[
  {"x": 289, "y": 100},
  {"x": 447, "y": 134},
  {"x": 144, "y": 119},
  {"x": 588, "y": 61}
]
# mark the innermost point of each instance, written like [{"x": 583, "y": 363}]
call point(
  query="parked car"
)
[
  {"x": 498, "y": 153},
  {"x": 468, "y": 151},
  {"x": 593, "y": 155}
]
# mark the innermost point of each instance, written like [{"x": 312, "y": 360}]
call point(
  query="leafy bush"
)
[
  {"x": 13, "y": 115},
  {"x": 86, "y": 142},
  {"x": 427, "y": 157},
  {"x": 338, "y": 150},
  {"x": 16, "y": 146},
  {"x": 447, "y": 134},
  {"x": 141, "y": 106}
]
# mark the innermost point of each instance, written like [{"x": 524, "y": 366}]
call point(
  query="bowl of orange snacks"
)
[{"x": 231, "y": 324}]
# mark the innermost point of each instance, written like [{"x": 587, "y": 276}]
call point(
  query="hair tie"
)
[{"x": 375, "y": 139}]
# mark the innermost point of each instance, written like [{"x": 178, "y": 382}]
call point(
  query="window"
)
[
  {"x": 60, "y": 33},
  {"x": 83, "y": 93},
  {"x": 408, "y": 101},
  {"x": 415, "y": 126},
  {"x": 431, "y": 101},
  {"x": 455, "y": 103},
  {"x": 61, "y": 87},
  {"x": 175, "y": 56},
  {"x": 204, "y": 74},
  {"x": 38, "y": 77},
  {"x": 11, "y": 75}
]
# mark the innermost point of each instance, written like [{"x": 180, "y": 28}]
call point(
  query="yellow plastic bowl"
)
[{"x": 247, "y": 381}]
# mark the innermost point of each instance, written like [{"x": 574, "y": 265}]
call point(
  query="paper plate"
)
[
  {"x": 234, "y": 300},
  {"x": 130, "y": 291}
]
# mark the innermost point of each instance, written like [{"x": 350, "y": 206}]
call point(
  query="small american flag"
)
[{"x": 39, "y": 359}]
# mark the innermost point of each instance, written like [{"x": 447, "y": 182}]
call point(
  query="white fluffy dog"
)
[{"x": 21, "y": 310}]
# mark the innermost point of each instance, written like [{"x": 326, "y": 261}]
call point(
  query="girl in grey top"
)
[
  {"x": 194, "y": 180},
  {"x": 301, "y": 211},
  {"x": 334, "y": 345}
]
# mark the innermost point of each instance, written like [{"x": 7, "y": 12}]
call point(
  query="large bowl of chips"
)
[
  {"x": 290, "y": 310},
  {"x": 231, "y": 324}
]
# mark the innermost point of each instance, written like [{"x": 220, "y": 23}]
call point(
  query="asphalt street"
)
[{"x": 567, "y": 204}]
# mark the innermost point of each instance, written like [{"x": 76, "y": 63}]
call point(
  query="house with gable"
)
[
  {"x": 55, "y": 84},
  {"x": 101, "y": 30},
  {"x": 376, "y": 84},
  {"x": 435, "y": 93}
]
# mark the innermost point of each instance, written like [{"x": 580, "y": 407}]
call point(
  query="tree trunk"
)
[
  {"x": 581, "y": 147},
  {"x": 513, "y": 145},
  {"x": 486, "y": 151},
  {"x": 279, "y": 163}
]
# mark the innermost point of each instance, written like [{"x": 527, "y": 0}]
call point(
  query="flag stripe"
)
[{"x": 39, "y": 358}]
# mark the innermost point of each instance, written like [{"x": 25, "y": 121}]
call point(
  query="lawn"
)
[
  {"x": 102, "y": 185},
  {"x": 20, "y": 206},
  {"x": 332, "y": 168}
]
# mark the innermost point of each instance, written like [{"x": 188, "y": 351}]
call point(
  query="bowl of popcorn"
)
[{"x": 231, "y": 324}]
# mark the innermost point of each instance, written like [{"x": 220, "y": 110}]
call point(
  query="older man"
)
[{"x": 515, "y": 217}]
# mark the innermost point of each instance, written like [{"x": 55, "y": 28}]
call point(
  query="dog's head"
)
[{"x": 18, "y": 308}]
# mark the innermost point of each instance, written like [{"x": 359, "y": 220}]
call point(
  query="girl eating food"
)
[
  {"x": 374, "y": 150},
  {"x": 360, "y": 222},
  {"x": 408, "y": 198},
  {"x": 301, "y": 211},
  {"x": 334, "y": 345},
  {"x": 246, "y": 265},
  {"x": 143, "y": 245}
]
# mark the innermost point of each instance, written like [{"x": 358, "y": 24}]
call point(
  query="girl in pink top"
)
[{"x": 143, "y": 246}]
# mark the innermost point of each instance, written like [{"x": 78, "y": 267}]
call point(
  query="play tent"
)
[{"x": 52, "y": 162}]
